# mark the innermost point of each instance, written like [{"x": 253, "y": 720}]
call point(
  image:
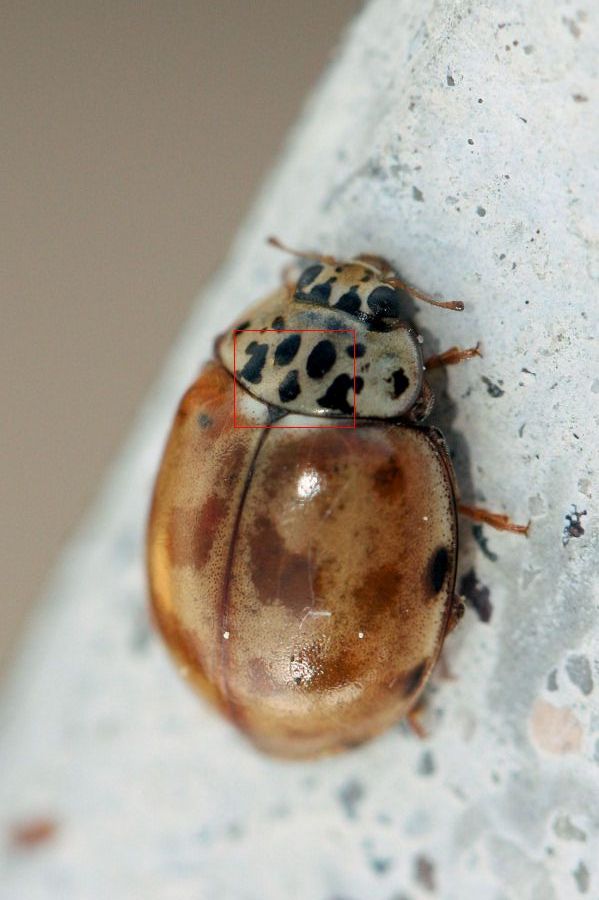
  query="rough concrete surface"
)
[{"x": 459, "y": 140}]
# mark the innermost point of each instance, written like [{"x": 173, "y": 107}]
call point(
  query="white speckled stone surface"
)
[{"x": 460, "y": 140}]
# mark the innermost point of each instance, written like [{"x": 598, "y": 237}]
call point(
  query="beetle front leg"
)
[
  {"x": 496, "y": 520},
  {"x": 452, "y": 356}
]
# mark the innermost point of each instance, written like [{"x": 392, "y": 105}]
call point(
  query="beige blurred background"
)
[{"x": 133, "y": 136}]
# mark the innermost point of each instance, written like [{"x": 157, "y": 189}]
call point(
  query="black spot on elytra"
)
[
  {"x": 287, "y": 349},
  {"x": 349, "y": 302},
  {"x": 321, "y": 359},
  {"x": 384, "y": 302},
  {"x": 400, "y": 382},
  {"x": 336, "y": 395},
  {"x": 289, "y": 388},
  {"x": 278, "y": 323},
  {"x": 357, "y": 350},
  {"x": 252, "y": 371},
  {"x": 359, "y": 384},
  {"x": 308, "y": 276},
  {"x": 439, "y": 568}
]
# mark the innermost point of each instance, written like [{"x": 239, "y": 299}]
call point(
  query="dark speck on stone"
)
[
  {"x": 425, "y": 873},
  {"x": 481, "y": 211},
  {"x": 477, "y": 595},
  {"x": 350, "y": 796},
  {"x": 573, "y": 527},
  {"x": 582, "y": 877},
  {"x": 426, "y": 764},
  {"x": 450, "y": 80},
  {"x": 417, "y": 194},
  {"x": 493, "y": 390},
  {"x": 381, "y": 865},
  {"x": 552, "y": 680},
  {"x": 579, "y": 672},
  {"x": 470, "y": 141}
]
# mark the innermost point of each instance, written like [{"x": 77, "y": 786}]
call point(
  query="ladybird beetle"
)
[{"x": 302, "y": 543}]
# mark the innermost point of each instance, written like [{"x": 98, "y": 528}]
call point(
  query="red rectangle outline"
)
[{"x": 289, "y": 331}]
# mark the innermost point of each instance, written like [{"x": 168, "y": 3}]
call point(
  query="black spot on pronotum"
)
[
  {"x": 320, "y": 293},
  {"x": 413, "y": 679},
  {"x": 308, "y": 276},
  {"x": 277, "y": 323},
  {"x": 252, "y": 371},
  {"x": 439, "y": 568},
  {"x": 384, "y": 302},
  {"x": 204, "y": 420},
  {"x": 400, "y": 382},
  {"x": 321, "y": 359},
  {"x": 289, "y": 388},
  {"x": 359, "y": 349},
  {"x": 286, "y": 350},
  {"x": 336, "y": 395},
  {"x": 349, "y": 302}
]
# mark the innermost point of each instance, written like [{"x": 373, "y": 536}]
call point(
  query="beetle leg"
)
[
  {"x": 377, "y": 262},
  {"x": 496, "y": 520},
  {"x": 442, "y": 670},
  {"x": 414, "y": 720},
  {"x": 289, "y": 275},
  {"x": 452, "y": 356},
  {"x": 397, "y": 283},
  {"x": 457, "y": 611},
  {"x": 302, "y": 254}
]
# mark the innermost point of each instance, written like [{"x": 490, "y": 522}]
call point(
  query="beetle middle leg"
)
[{"x": 452, "y": 357}]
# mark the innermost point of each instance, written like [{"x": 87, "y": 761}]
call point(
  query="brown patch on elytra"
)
[
  {"x": 192, "y": 532},
  {"x": 377, "y": 592},
  {"x": 388, "y": 480},
  {"x": 278, "y": 574},
  {"x": 316, "y": 667}
]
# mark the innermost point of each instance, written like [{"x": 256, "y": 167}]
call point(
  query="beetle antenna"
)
[
  {"x": 426, "y": 298},
  {"x": 305, "y": 254}
]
